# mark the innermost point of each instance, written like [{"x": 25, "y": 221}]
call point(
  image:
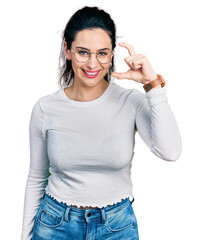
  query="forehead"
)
[{"x": 92, "y": 39}]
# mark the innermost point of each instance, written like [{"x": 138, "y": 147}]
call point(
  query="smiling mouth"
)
[{"x": 91, "y": 74}]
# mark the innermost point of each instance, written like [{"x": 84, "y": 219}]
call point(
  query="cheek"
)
[
  {"x": 106, "y": 68},
  {"x": 76, "y": 67}
]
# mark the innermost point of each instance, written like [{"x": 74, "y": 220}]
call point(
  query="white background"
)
[{"x": 168, "y": 195}]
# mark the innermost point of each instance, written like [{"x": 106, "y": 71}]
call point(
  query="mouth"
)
[{"x": 91, "y": 74}]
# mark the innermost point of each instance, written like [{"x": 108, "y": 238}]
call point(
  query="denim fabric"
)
[{"x": 59, "y": 221}]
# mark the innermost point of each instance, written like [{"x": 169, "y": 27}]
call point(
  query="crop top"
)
[{"x": 81, "y": 152}]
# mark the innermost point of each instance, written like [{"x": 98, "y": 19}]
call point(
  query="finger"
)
[
  {"x": 130, "y": 59},
  {"x": 137, "y": 62},
  {"x": 122, "y": 75},
  {"x": 136, "y": 66},
  {"x": 129, "y": 47},
  {"x": 134, "y": 56}
]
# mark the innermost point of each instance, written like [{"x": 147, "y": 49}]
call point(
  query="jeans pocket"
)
[
  {"x": 36, "y": 216},
  {"x": 133, "y": 215},
  {"x": 120, "y": 220},
  {"x": 50, "y": 216}
]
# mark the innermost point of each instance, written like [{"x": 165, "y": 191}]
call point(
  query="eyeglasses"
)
[{"x": 103, "y": 56}]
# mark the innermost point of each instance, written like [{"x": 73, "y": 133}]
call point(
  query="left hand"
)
[{"x": 140, "y": 69}]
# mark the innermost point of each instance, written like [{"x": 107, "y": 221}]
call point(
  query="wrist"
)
[
  {"x": 152, "y": 78},
  {"x": 154, "y": 82},
  {"x": 158, "y": 86}
]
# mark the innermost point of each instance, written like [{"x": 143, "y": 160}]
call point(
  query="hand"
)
[{"x": 140, "y": 69}]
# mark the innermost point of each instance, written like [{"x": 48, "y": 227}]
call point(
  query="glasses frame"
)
[{"x": 112, "y": 52}]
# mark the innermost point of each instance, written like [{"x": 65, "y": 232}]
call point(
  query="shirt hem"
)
[{"x": 98, "y": 205}]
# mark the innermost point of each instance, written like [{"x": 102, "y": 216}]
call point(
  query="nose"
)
[{"x": 92, "y": 62}]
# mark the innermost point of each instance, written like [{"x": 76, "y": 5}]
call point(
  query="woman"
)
[{"x": 82, "y": 137}]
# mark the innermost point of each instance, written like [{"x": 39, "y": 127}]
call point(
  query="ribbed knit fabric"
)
[{"x": 88, "y": 147}]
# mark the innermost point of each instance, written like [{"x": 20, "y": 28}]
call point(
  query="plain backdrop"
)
[{"x": 168, "y": 195}]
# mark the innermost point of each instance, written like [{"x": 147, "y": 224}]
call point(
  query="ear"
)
[{"x": 67, "y": 51}]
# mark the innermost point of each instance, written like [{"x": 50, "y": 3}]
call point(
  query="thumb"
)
[{"x": 120, "y": 75}]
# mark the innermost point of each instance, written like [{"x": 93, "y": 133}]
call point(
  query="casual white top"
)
[{"x": 88, "y": 147}]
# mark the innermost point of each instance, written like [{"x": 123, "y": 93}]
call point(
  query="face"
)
[{"x": 93, "y": 40}]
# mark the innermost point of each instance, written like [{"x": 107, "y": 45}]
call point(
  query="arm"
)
[
  {"x": 38, "y": 172},
  {"x": 157, "y": 126}
]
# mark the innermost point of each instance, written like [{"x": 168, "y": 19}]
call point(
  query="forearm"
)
[{"x": 157, "y": 126}]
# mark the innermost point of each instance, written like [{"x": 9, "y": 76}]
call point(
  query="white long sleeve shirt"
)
[{"x": 88, "y": 147}]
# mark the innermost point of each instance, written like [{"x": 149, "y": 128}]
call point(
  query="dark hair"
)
[{"x": 84, "y": 18}]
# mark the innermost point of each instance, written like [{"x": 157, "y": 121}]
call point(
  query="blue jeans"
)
[{"x": 59, "y": 221}]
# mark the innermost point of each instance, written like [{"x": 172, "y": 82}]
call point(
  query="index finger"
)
[{"x": 130, "y": 48}]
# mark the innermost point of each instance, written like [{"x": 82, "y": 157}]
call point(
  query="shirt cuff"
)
[{"x": 156, "y": 96}]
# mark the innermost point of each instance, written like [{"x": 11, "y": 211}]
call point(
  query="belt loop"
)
[
  {"x": 103, "y": 215},
  {"x": 132, "y": 200},
  {"x": 66, "y": 218},
  {"x": 43, "y": 195}
]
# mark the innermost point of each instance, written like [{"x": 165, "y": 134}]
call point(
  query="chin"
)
[{"x": 91, "y": 81}]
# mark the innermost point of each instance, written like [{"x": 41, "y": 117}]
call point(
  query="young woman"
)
[{"x": 82, "y": 137}]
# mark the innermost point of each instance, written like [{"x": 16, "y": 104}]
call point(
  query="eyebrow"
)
[{"x": 97, "y": 50}]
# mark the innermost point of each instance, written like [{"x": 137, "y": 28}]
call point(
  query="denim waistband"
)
[{"x": 89, "y": 214}]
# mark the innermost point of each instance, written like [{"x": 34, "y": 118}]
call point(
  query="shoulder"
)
[
  {"x": 48, "y": 100},
  {"x": 50, "y": 97},
  {"x": 131, "y": 94}
]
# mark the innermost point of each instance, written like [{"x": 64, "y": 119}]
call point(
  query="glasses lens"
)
[
  {"x": 104, "y": 56},
  {"x": 84, "y": 55}
]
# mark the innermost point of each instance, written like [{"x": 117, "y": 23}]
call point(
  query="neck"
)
[{"x": 79, "y": 92}]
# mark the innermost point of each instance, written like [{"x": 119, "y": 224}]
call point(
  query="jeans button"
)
[{"x": 89, "y": 214}]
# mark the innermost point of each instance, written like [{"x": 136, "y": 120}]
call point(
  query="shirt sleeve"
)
[
  {"x": 156, "y": 124},
  {"x": 38, "y": 172}
]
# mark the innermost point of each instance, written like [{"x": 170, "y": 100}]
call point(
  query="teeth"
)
[{"x": 91, "y": 73}]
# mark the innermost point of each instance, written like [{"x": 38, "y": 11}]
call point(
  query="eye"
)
[
  {"x": 102, "y": 53},
  {"x": 82, "y": 52}
]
